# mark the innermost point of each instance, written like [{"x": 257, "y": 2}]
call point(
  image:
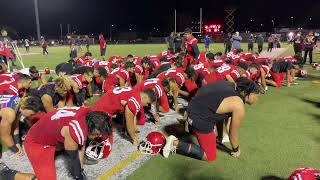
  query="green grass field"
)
[{"x": 279, "y": 133}]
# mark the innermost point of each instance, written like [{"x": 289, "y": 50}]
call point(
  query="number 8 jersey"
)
[{"x": 47, "y": 131}]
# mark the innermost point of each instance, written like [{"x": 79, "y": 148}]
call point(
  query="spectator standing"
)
[
  {"x": 207, "y": 42},
  {"x": 44, "y": 45},
  {"x": 250, "y": 43},
  {"x": 27, "y": 45},
  {"x": 170, "y": 42},
  {"x": 78, "y": 43},
  {"x": 270, "y": 43},
  {"x": 297, "y": 43},
  {"x": 87, "y": 41},
  {"x": 260, "y": 41},
  {"x": 103, "y": 46},
  {"x": 236, "y": 41},
  {"x": 227, "y": 43},
  {"x": 309, "y": 41},
  {"x": 178, "y": 43},
  {"x": 73, "y": 52}
]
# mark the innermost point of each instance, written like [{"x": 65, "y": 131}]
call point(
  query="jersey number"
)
[
  {"x": 120, "y": 90},
  {"x": 61, "y": 114},
  {"x": 222, "y": 69}
]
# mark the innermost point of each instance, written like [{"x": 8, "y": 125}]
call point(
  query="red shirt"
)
[
  {"x": 137, "y": 60},
  {"x": 166, "y": 54},
  {"x": 202, "y": 57},
  {"x": 103, "y": 64},
  {"x": 261, "y": 60},
  {"x": 189, "y": 43},
  {"x": 47, "y": 131},
  {"x": 225, "y": 70},
  {"x": 288, "y": 59},
  {"x": 102, "y": 43},
  {"x": 115, "y": 60},
  {"x": 78, "y": 79},
  {"x": 110, "y": 102},
  {"x": 155, "y": 84},
  {"x": 8, "y": 77},
  {"x": 155, "y": 61},
  {"x": 10, "y": 88},
  {"x": 200, "y": 68},
  {"x": 82, "y": 60},
  {"x": 176, "y": 73},
  {"x": 248, "y": 55}
]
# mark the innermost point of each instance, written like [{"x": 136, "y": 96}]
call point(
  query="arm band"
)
[
  {"x": 74, "y": 165},
  {"x": 14, "y": 149},
  {"x": 16, "y": 139}
]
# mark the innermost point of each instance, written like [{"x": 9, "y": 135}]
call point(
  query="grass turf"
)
[{"x": 279, "y": 133}]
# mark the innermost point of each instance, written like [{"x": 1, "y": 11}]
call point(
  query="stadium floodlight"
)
[{"x": 290, "y": 34}]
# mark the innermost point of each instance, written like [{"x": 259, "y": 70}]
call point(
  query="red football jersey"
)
[
  {"x": 202, "y": 57},
  {"x": 222, "y": 71},
  {"x": 115, "y": 60},
  {"x": 137, "y": 60},
  {"x": 110, "y": 102},
  {"x": 190, "y": 42},
  {"x": 10, "y": 88},
  {"x": 8, "y": 77},
  {"x": 78, "y": 79},
  {"x": 288, "y": 59},
  {"x": 201, "y": 69},
  {"x": 176, "y": 73},
  {"x": 104, "y": 64},
  {"x": 166, "y": 54},
  {"x": 155, "y": 84},
  {"x": 305, "y": 174},
  {"x": 47, "y": 131},
  {"x": 248, "y": 55},
  {"x": 261, "y": 60}
]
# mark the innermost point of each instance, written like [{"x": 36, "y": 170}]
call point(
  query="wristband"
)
[
  {"x": 16, "y": 139},
  {"x": 14, "y": 148},
  {"x": 235, "y": 149}
]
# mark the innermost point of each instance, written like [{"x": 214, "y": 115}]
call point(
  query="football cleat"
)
[
  {"x": 153, "y": 144},
  {"x": 169, "y": 147}
]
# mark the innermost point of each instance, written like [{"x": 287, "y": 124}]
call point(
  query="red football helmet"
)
[
  {"x": 100, "y": 147},
  {"x": 47, "y": 70},
  {"x": 153, "y": 144},
  {"x": 303, "y": 73},
  {"x": 315, "y": 66},
  {"x": 305, "y": 174}
]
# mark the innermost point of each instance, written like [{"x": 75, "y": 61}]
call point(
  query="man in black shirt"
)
[
  {"x": 212, "y": 105},
  {"x": 297, "y": 43},
  {"x": 178, "y": 44},
  {"x": 227, "y": 43}
]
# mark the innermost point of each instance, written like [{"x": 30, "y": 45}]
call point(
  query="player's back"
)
[{"x": 47, "y": 130}]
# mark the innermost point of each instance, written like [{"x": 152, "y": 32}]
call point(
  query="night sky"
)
[{"x": 95, "y": 16}]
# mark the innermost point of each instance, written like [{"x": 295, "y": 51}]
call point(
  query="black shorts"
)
[
  {"x": 178, "y": 49},
  {"x": 103, "y": 52}
]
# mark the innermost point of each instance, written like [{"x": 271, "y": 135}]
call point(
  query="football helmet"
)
[
  {"x": 100, "y": 147},
  {"x": 154, "y": 143},
  {"x": 303, "y": 73},
  {"x": 47, "y": 70},
  {"x": 315, "y": 66},
  {"x": 305, "y": 174}
]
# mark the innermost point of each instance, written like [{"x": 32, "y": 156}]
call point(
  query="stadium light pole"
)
[
  {"x": 200, "y": 20},
  {"x": 291, "y": 21},
  {"x": 36, "y": 11},
  {"x": 175, "y": 21},
  {"x": 111, "y": 25},
  {"x": 60, "y": 31}
]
